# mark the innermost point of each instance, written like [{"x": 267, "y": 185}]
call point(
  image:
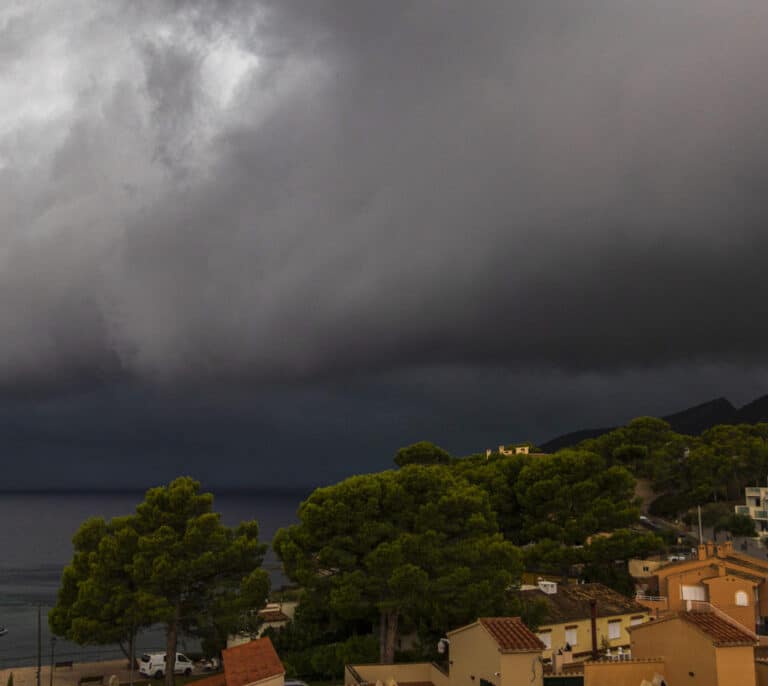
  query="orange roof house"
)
[
  {"x": 255, "y": 662},
  {"x": 704, "y": 648},
  {"x": 511, "y": 635},
  {"x": 733, "y": 583},
  {"x": 493, "y": 651}
]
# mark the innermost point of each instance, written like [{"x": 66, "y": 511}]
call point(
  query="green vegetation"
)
[
  {"x": 417, "y": 548},
  {"x": 412, "y": 551},
  {"x": 429, "y": 546},
  {"x": 172, "y": 562},
  {"x": 384, "y": 563},
  {"x": 687, "y": 470},
  {"x": 422, "y": 452}
]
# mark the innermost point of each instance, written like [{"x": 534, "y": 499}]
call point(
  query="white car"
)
[{"x": 153, "y": 665}]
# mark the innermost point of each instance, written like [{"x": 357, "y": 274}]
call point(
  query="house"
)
[
  {"x": 516, "y": 449},
  {"x": 493, "y": 651},
  {"x": 732, "y": 582},
  {"x": 704, "y": 648},
  {"x": 273, "y": 615},
  {"x": 251, "y": 664},
  {"x": 756, "y": 507},
  {"x": 566, "y": 624}
]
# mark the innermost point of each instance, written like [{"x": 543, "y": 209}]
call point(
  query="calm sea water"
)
[{"x": 35, "y": 544}]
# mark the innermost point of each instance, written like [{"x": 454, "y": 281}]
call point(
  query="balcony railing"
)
[
  {"x": 651, "y": 598},
  {"x": 742, "y": 510}
]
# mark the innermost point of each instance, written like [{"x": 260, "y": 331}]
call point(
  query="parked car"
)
[{"x": 153, "y": 665}]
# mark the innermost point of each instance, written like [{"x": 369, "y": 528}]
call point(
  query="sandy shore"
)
[{"x": 69, "y": 676}]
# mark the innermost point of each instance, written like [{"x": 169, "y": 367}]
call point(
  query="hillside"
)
[{"x": 691, "y": 421}]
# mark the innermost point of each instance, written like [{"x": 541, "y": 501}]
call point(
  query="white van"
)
[{"x": 153, "y": 665}]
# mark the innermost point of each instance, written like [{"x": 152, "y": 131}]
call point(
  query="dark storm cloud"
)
[
  {"x": 288, "y": 437},
  {"x": 283, "y": 191}
]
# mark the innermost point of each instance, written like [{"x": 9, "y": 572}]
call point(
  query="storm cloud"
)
[{"x": 240, "y": 195}]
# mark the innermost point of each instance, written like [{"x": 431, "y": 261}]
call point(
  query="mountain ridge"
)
[{"x": 692, "y": 420}]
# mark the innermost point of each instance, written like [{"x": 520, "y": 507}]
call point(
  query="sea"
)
[{"x": 35, "y": 544}]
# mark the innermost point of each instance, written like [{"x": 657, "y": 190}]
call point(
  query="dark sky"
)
[{"x": 267, "y": 243}]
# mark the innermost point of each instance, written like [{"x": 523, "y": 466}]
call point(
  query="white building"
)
[{"x": 756, "y": 507}]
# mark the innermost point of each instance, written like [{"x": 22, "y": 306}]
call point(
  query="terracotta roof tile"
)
[
  {"x": 511, "y": 635},
  {"x": 251, "y": 662},
  {"x": 213, "y": 680},
  {"x": 722, "y": 632}
]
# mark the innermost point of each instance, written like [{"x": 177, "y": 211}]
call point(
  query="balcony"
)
[
  {"x": 755, "y": 492},
  {"x": 657, "y": 603},
  {"x": 742, "y": 510}
]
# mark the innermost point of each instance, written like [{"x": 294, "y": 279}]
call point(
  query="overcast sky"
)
[{"x": 270, "y": 242}]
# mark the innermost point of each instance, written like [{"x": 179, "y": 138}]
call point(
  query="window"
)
[
  {"x": 546, "y": 639},
  {"x": 634, "y": 621},
  {"x": 742, "y": 599},
  {"x": 571, "y": 635},
  {"x": 614, "y": 629},
  {"x": 693, "y": 592}
]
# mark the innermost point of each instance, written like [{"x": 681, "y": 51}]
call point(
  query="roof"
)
[
  {"x": 747, "y": 561},
  {"x": 723, "y": 633},
  {"x": 273, "y": 616},
  {"x": 251, "y": 662},
  {"x": 572, "y": 602},
  {"x": 715, "y": 561},
  {"x": 511, "y": 634},
  {"x": 752, "y": 578}
]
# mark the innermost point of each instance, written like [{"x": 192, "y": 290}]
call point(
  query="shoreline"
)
[{"x": 70, "y": 676}]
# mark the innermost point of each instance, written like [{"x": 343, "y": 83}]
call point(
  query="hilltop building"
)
[
  {"x": 514, "y": 449},
  {"x": 756, "y": 507}
]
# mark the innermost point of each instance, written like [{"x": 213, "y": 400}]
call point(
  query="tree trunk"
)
[
  {"x": 132, "y": 658},
  {"x": 388, "y": 636},
  {"x": 171, "y": 640},
  {"x": 382, "y": 635}
]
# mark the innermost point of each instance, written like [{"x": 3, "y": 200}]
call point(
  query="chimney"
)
[
  {"x": 727, "y": 548},
  {"x": 710, "y": 549},
  {"x": 702, "y": 551}
]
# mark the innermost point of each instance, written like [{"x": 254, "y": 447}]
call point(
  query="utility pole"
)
[
  {"x": 53, "y": 648},
  {"x": 701, "y": 535},
  {"x": 39, "y": 645}
]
